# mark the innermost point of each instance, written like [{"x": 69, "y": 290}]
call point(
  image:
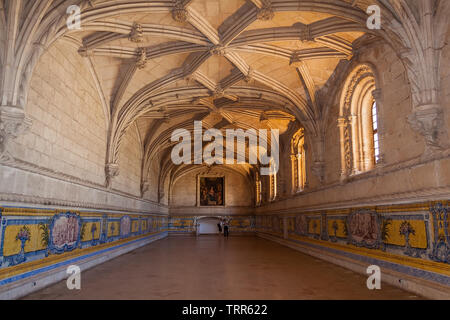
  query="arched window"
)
[
  {"x": 358, "y": 123},
  {"x": 298, "y": 161}
]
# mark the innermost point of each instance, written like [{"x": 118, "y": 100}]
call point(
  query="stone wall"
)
[
  {"x": 130, "y": 162},
  {"x": 68, "y": 133},
  {"x": 61, "y": 159},
  {"x": 238, "y": 194},
  {"x": 445, "y": 80}
]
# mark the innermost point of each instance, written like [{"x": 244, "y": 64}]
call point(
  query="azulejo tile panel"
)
[
  {"x": 188, "y": 224},
  {"x": 34, "y": 237},
  {"x": 417, "y": 235}
]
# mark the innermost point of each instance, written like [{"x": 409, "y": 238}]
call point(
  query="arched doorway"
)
[{"x": 208, "y": 225}]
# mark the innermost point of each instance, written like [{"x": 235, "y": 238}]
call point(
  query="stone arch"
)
[{"x": 357, "y": 97}]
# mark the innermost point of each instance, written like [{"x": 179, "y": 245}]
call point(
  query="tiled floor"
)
[{"x": 211, "y": 267}]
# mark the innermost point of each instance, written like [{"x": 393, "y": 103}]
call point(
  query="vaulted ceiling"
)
[
  {"x": 160, "y": 65},
  {"x": 230, "y": 63}
]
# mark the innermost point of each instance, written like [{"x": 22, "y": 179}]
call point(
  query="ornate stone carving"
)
[
  {"x": 111, "y": 171},
  {"x": 266, "y": 12},
  {"x": 13, "y": 123},
  {"x": 141, "y": 61},
  {"x": 218, "y": 50},
  {"x": 137, "y": 33},
  {"x": 179, "y": 12},
  {"x": 428, "y": 121},
  {"x": 346, "y": 167}
]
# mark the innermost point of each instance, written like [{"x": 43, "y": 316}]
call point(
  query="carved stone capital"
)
[
  {"x": 179, "y": 12},
  {"x": 428, "y": 121},
  {"x": 137, "y": 33},
  {"x": 13, "y": 123},
  {"x": 111, "y": 171}
]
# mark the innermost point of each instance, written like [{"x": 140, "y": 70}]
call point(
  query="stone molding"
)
[
  {"x": 48, "y": 173},
  {"x": 419, "y": 194}
]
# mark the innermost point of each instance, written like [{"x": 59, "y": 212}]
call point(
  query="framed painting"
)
[{"x": 211, "y": 191}]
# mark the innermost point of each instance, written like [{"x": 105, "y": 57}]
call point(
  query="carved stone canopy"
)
[
  {"x": 111, "y": 171},
  {"x": 13, "y": 123},
  {"x": 428, "y": 121}
]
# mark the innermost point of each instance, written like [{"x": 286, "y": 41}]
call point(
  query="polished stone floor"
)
[{"x": 211, "y": 267}]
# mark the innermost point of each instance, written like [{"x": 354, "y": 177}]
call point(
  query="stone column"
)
[
  {"x": 293, "y": 174},
  {"x": 353, "y": 119},
  {"x": 342, "y": 124}
]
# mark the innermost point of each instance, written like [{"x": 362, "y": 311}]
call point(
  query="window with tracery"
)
[
  {"x": 298, "y": 161},
  {"x": 358, "y": 123}
]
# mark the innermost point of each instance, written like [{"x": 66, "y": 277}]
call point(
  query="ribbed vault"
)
[{"x": 160, "y": 65}]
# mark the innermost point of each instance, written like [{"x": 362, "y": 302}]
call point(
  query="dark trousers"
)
[{"x": 225, "y": 232}]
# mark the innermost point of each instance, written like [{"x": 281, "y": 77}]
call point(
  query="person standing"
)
[
  {"x": 225, "y": 230},
  {"x": 219, "y": 226}
]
